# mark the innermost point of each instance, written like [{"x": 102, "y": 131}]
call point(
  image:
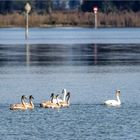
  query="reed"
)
[{"x": 120, "y": 19}]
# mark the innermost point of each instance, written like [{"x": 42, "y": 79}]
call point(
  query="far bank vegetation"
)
[{"x": 112, "y": 19}]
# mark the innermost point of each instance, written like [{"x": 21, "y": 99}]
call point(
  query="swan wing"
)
[
  {"x": 111, "y": 103},
  {"x": 29, "y": 105},
  {"x": 45, "y": 103},
  {"x": 55, "y": 101},
  {"x": 64, "y": 104},
  {"x": 59, "y": 100},
  {"x": 17, "y": 106},
  {"x": 52, "y": 105}
]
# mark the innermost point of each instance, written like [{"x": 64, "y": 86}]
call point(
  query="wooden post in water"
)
[
  {"x": 95, "y": 9},
  {"x": 27, "y": 10}
]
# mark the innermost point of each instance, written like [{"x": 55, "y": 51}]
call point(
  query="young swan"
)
[
  {"x": 67, "y": 102},
  {"x": 114, "y": 102},
  {"x": 52, "y": 104},
  {"x": 64, "y": 93},
  {"x": 54, "y": 100},
  {"x": 18, "y": 106},
  {"x": 45, "y": 103},
  {"x": 30, "y": 105}
]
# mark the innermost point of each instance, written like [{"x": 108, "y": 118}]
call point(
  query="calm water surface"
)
[{"x": 90, "y": 71}]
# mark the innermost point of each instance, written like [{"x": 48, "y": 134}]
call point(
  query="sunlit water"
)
[{"x": 90, "y": 71}]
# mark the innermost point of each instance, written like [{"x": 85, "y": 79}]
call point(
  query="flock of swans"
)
[{"x": 57, "y": 101}]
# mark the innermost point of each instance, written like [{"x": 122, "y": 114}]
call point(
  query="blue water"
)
[
  {"x": 80, "y": 121},
  {"x": 90, "y": 71},
  {"x": 70, "y": 35}
]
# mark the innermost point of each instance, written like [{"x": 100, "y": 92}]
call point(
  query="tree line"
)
[
  {"x": 48, "y": 6},
  {"x": 111, "y": 5}
]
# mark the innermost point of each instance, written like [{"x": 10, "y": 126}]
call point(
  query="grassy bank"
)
[{"x": 122, "y": 19}]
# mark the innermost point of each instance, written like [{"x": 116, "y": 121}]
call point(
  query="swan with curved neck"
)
[
  {"x": 114, "y": 102},
  {"x": 52, "y": 104},
  {"x": 44, "y": 103},
  {"x": 66, "y": 103},
  {"x": 18, "y": 106},
  {"x": 30, "y": 105},
  {"x": 54, "y": 100},
  {"x": 64, "y": 92},
  {"x": 61, "y": 99}
]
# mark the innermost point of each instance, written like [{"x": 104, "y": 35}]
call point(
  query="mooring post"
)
[
  {"x": 95, "y": 9},
  {"x": 27, "y": 10}
]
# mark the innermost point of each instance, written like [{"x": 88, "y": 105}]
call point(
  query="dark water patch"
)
[{"x": 74, "y": 55}]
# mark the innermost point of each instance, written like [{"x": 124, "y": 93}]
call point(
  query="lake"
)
[{"x": 91, "y": 64}]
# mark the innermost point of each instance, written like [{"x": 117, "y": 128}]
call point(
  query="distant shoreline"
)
[
  {"x": 53, "y": 26},
  {"x": 74, "y": 19}
]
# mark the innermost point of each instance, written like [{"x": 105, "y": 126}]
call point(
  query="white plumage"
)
[{"x": 116, "y": 102}]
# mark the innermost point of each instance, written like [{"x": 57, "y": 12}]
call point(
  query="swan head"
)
[
  {"x": 52, "y": 95},
  {"x": 31, "y": 97},
  {"x": 23, "y": 97},
  {"x": 118, "y": 92},
  {"x": 64, "y": 91},
  {"x": 68, "y": 94}
]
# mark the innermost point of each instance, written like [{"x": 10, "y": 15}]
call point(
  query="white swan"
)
[
  {"x": 64, "y": 92},
  {"x": 67, "y": 102},
  {"x": 59, "y": 99},
  {"x": 114, "y": 102}
]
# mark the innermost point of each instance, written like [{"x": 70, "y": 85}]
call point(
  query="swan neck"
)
[
  {"x": 23, "y": 102},
  {"x": 52, "y": 99},
  {"x": 57, "y": 102},
  {"x": 64, "y": 97},
  {"x": 118, "y": 99},
  {"x": 31, "y": 103},
  {"x": 68, "y": 99}
]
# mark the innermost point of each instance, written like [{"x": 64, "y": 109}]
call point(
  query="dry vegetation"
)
[{"x": 122, "y": 19}]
